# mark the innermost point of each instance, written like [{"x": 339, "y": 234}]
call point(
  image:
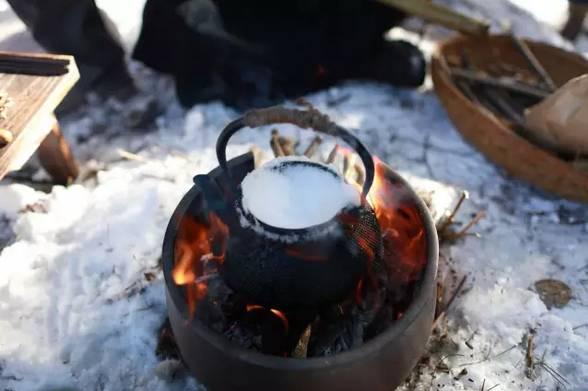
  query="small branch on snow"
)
[
  {"x": 529, "y": 362},
  {"x": 129, "y": 155},
  {"x": 449, "y": 220},
  {"x": 449, "y": 302},
  {"x": 580, "y": 326},
  {"x": 488, "y": 357},
  {"x": 148, "y": 276}
]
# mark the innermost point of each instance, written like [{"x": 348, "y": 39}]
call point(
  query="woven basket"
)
[{"x": 493, "y": 137}]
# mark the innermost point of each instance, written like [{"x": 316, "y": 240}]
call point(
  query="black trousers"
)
[{"x": 73, "y": 27}]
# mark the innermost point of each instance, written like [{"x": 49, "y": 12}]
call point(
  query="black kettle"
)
[{"x": 293, "y": 268}]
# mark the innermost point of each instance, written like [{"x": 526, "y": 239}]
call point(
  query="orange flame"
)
[
  {"x": 277, "y": 313},
  {"x": 401, "y": 225},
  {"x": 197, "y": 242}
]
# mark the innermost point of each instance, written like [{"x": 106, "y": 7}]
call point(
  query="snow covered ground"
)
[{"x": 80, "y": 309}]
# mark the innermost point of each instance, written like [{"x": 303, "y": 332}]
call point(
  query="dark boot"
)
[{"x": 398, "y": 63}]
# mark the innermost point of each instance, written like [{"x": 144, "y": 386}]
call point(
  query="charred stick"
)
[
  {"x": 534, "y": 62},
  {"x": 313, "y": 146},
  {"x": 506, "y": 84}
]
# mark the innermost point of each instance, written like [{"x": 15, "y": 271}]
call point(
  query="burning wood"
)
[{"x": 197, "y": 244}]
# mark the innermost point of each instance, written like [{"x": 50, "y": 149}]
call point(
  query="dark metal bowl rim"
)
[{"x": 267, "y": 361}]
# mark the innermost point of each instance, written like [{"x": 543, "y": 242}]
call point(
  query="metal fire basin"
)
[{"x": 381, "y": 363}]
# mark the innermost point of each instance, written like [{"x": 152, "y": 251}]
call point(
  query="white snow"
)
[
  {"x": 126, "y": 19},
  {"x": 77, "y": 313},
  {"x": 552, "y": 12},
  {"x": 284, "y": 194}
]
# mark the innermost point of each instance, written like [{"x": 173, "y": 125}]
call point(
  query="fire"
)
[
  {"x": 277, "y": 313},
  {"x": 401, "y": 225},
  {"x": 196, "y": 244}
]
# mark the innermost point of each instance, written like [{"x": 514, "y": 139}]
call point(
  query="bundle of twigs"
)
[{"x": 505, "y": 90}]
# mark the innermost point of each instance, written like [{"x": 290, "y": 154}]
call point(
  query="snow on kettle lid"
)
[{"x": 295, "y": 196}]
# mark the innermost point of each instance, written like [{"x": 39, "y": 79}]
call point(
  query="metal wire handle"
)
[{"x": 305, "y": 119}]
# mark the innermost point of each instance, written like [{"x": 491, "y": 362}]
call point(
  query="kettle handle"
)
[{"x": 305, "y": 119}]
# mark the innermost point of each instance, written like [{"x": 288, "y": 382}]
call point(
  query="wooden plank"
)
[{"x": 29, "y": 112}]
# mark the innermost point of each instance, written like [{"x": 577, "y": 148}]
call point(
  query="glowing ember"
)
[
  {"x": 198, "y": 243},
  {"x": 277, "y": 313}
]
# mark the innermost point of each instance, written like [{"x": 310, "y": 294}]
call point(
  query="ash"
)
[{"x": 82, "y": 297}]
